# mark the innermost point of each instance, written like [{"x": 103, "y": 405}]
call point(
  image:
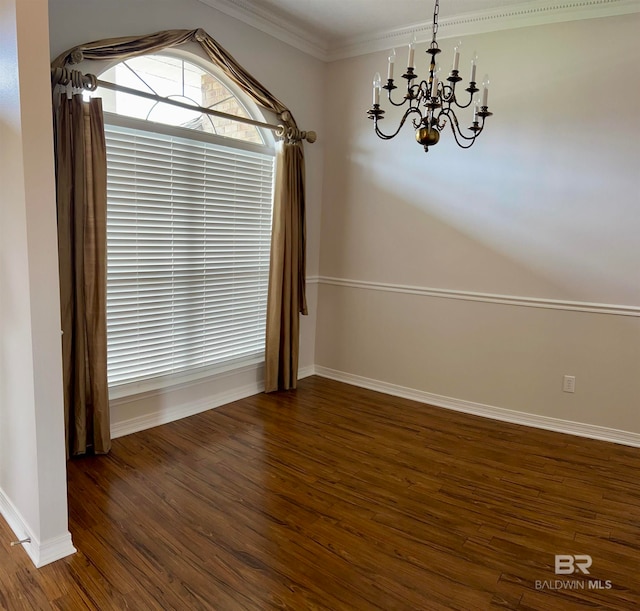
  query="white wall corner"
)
[
  {"x": 305, "y": 372},
  {"x": 578, "y": 429},
  {"x": 40, "y": 552}
]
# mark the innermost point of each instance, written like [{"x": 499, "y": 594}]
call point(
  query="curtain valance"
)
[{"x": 132, "y": 46}]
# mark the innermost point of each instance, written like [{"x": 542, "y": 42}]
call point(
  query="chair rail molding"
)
[{"x": 512, "y": 300}]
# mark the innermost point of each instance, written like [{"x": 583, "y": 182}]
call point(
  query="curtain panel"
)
[
  {"x": 81, "y": 196},
  {"x": 286, "y": 296},
  {"x": 286, "y": 293}
]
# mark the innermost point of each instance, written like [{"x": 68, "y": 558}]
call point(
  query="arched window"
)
[
  {"x": 176, "y": 79},
  {"x": 189, "y": 201}
]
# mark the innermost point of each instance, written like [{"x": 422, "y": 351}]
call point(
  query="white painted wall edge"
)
[
  {"x": 164, "y": 416},
  {"x": 578, "y": 429},
  {"x": 40, "y": 552},
  {"x": 513, "y": 300}
]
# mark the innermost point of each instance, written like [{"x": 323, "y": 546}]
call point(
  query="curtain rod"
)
[{"x": 79, "y": 80}]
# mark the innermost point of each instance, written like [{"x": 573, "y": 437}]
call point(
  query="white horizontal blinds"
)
[{"x": 188, "y": 239}]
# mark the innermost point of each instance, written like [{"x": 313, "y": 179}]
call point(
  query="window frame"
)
[{"x": 233, "y": 366}]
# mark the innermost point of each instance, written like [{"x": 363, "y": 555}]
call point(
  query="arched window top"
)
[{"x": 179, "y": 79}]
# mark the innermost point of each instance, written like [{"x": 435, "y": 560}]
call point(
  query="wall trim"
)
[
  {"x": 537, "y": 12},
  {"x": 569, "y": 427},
  {"x": 165, "y": 415},
  {"x": 54, "y": 549},
  {"x": 306, "y": 372},
  {"x": 512, "y": 300},
  {"x": 274, "y": 24},
  {"x": 40, "y": 552}
]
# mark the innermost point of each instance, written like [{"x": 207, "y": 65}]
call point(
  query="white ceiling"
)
[
  {"x": 340, "y": 20},
  {"x": 334, "y": 29}
]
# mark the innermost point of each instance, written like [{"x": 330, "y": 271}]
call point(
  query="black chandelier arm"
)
[
  {"x": 440, "y": 119},
  {"x": 460, "y": 138},
  {"x": 408, "y": 98},
  {"x": 455, "y": 127},
  {"x": 416, "y": 93},
  {"x": 462, "y": 145},
  {"x": 464, "y": 105},
  {"x": 448, "y": 94},
  {"x": 419, "y": 121},
  {"x": 393, "y": 103},
  {"x": 448, "y": 113},
  {"x": 384, "y": 136},
  {"x": 424, "y": 87}
]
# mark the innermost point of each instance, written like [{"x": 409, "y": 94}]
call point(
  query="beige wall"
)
[
  {"x": 544, "y": 206},
  {"x": 32, "y": 452}
]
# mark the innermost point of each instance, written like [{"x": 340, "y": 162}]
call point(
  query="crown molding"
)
[
  {"x": 538, "y": 12},
  {"x": 521, "y": 15},
  {"x": 276, "y": 25}
]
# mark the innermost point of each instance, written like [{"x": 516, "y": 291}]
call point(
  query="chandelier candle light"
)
[{"x": 432, "y": 100}]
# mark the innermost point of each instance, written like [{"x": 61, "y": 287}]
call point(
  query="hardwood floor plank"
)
[{"x": 337, "y": 498}]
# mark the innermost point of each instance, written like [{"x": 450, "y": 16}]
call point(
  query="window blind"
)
[{"x": 188, "y": 242}]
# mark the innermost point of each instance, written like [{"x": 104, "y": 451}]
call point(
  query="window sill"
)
[{"x": 160, "y": 384}]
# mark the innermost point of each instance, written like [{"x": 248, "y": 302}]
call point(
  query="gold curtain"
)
[
  {"x": 81, "y": 190},
  {"x": 287, "y": 270},
  {"x": 286, "y": 297}
]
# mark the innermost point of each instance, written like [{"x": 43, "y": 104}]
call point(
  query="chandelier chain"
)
[{"x": 436, "y": 12}]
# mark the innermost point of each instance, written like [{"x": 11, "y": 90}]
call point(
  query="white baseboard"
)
[
  {"x": 579, "y": 429},
  {"x": 40, "y": 552},
  {"x": 305, "y": 372},
  {"x": 166, "y": 415},
  {"x": 54, "y": 549},
  {"x": 487, "y": 411}
]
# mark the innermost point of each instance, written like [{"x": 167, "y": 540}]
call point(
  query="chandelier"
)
[{"x": 433, "y": 101}]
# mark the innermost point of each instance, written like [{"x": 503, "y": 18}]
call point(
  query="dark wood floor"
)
[{"x": 333, "y": 497}]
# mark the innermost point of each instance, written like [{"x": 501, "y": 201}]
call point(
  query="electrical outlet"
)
[{"x": 569, "y": 384}]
